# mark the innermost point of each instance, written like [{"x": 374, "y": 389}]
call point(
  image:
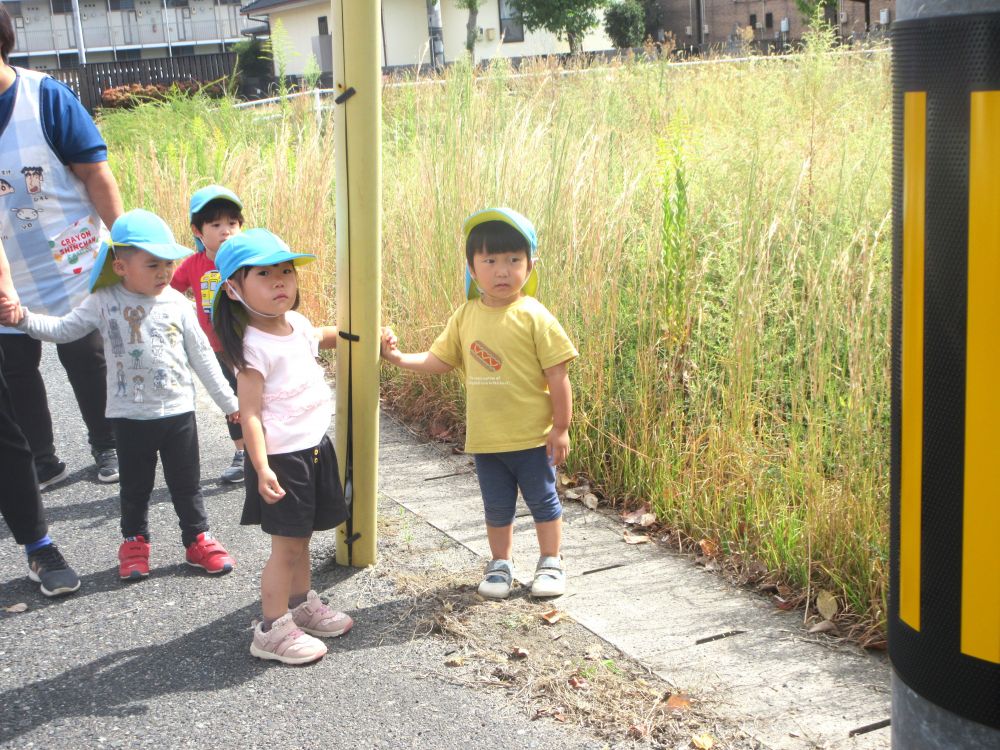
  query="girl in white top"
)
[{"x": 292, "y": 480}]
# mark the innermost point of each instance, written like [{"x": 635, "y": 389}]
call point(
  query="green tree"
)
[
  {"x": 625, "y": 24},
  {"x": 471, "y": 26},
  {"x": 567, "y": 19},
  {"x": 811, "y": 8}
]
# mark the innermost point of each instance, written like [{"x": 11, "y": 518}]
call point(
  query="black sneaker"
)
[
  {"x": 107, "y": 465},
  {"x": 47, "y": 566},
  {"x": 51, "y": 474}
]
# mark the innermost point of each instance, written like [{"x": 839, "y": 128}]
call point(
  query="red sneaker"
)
[
  {"x": 133, "y": 558},
  {"x": 206, "y": 552}
]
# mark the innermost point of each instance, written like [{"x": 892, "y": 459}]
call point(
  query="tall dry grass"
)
[{"x": 714, "y": 238}]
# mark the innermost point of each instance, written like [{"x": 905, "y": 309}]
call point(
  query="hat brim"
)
[
  {"x": 530, "y": 287},
  {"x": 103, "y": 273}
]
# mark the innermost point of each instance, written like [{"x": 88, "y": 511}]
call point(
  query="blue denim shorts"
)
[{"x": 500, "y": 476}]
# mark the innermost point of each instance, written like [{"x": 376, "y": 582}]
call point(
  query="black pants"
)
[
  {"x": 83, "y": 361},
  {"x": 20, "y": 500},
  {"x": 235, "y": 429},
  {"x": 175, "y": 439}
]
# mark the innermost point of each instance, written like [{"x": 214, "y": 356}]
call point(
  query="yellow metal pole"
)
[{"x": 358, "y": 157}]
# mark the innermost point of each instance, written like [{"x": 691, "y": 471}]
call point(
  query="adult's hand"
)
[{"x": 102, "y": 189}]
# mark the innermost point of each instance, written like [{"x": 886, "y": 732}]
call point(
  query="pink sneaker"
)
[
  {"x": 133, "y": 558},
  {"x": 284, "y": 642},
  {"x": 316, "y": 618},
  {"x": 206, "y": 552}
]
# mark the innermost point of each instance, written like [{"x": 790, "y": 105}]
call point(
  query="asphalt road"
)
[{"x": 164, "y": 662}]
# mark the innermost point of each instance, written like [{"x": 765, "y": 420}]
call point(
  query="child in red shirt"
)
[{"x": 216, "y": 215}]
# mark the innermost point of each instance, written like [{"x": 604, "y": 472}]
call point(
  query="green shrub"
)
[{"x": 625, "y": 24}]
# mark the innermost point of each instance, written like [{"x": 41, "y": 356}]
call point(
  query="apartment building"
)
[
  {"x": 46, "y": 33},
  {"x": 717, "y": 22}
]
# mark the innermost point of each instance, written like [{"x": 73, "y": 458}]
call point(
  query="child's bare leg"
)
[
  {"x": 302, "y": 578},
  {"x": 549, "y": 537},
  {"x": 287, "y": 554},
  {"x": 501, "y": 539}
]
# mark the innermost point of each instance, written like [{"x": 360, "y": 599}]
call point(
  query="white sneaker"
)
[
  {"x": 550, "y": 579},
  {"x": 497, "y": 581}
]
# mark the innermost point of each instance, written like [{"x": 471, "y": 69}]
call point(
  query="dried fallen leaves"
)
[
  {"x": 552, "y": 616},
  {"x": 17, "y": 608},
  {"x": 826, "y": 603},
  {"x": 703, "y": 741}
]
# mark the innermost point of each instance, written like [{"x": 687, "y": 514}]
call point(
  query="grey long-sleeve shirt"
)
[{"x": 151, "y": 345}]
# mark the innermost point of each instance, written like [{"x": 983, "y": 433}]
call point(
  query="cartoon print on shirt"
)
[
  {"x": 117, "y": 344},
  {"x": 136, "y": 355},
  {"x": 138, "y": 389},
  {"x": 6, "y": 188},
  {"x": 134, "y": 317},
  {"x": 156, "y": 343},
  {"x": 485, "y": 357},
  {"x": 27, "y": 214},
  {"x": 161, "y": 379},
  {"x": 122, "y": 391},
  {"x": 33, "y": 179}
]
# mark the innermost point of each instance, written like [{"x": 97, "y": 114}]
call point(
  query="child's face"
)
[
  {"x": 270, "y": 290},
  {"x": 500, "y": 276},
  {"x": 143, "y": 273},
  {"x": 213, "y": 233}
]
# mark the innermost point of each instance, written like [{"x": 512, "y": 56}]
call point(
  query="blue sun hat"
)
[
  {"x": 254, "y": 247},
  {"x": 136, "y": 228},
  {"x": 201, "y": 198},
  {"x": 521, "y": 224}
]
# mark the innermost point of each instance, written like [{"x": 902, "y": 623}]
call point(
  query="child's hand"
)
[
  {"x": 268, "y": 487},
  {"x": 234, "y": 417},
  {"x": 557, "y": 446},
  {"x": 389, "y": 348},
  {"x": 11, "y": 312}
]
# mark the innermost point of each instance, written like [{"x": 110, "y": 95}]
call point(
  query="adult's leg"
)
[
  {"x": 21, "y": 358},
  {"x": 20, "y": 500},
  {"x": 182, "y": 472},
  {"x": 137, "y": 442},
  {"x": 86, "y": 369}
]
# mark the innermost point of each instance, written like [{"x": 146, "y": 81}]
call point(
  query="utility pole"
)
[
  {"x": 81, "y": 45},
  {"x": 944, "y": 593}
]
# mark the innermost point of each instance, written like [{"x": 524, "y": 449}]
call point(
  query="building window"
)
[
  {"x": 69, "y": 60},
  {"x": 753, "y": 20},
  {"x": 511, "y": 26},
  {"x": 62, "y": 6},
  {"x": 324, "y": 27},
  {"x": 122, "y": 4},
  {"x": 768, "y": 20},
  {"x": 177, "y": 3},
  {"x": 14, "y": 8},
  {"x": 128, "y": 54}
]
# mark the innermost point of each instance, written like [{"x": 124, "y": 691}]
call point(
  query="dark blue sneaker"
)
[
  {"x": 47, "y": 566},
  {"x": 107, "y": 465}
]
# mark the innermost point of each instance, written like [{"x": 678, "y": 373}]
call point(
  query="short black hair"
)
[
  {"x": 215, "y": 209},
  {"x": 495, "y": 237},
  {"x": 6, "y": 33}
]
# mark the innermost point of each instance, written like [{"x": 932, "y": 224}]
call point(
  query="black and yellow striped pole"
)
[{"x": 944, "y": 613}]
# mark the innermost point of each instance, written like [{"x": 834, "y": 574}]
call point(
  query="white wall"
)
[
  {"x": 301, "y": 25},
  {"x": 535, "y": 42},
  {"x": 404, "y": 29}
]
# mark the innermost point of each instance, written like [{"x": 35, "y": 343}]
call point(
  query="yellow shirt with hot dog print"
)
[{"x": 502, "y": 352}]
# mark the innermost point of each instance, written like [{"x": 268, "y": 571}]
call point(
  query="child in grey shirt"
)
[{"x": 152, "y": 341}]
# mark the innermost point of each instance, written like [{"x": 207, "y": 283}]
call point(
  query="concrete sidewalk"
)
[{"x": 784, "y": 687}]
